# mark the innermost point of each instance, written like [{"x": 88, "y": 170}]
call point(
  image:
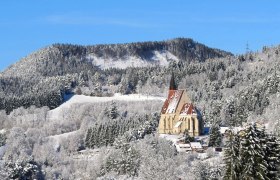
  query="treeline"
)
[
  {"x": 52, "y": 99},
  {"x": 183, "y": 48}
]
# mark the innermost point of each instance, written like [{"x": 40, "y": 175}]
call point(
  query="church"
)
[{"x": 179, "y": 114}]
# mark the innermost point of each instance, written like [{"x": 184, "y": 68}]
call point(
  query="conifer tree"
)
[
  {"x": 112, "y": 111},
  {"x": 187, "y": 137},
  {"x": 215, "y": 137},
  {"x": 88, "y": 137},
  {"x": 232, "y": 158},
  {"x": 273, "y": 157},
  {"x": 277, "y": 128},
  {"x": 252, "y": 153}
]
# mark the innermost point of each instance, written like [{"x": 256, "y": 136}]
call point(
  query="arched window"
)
[{"x": 193, "y": 123}]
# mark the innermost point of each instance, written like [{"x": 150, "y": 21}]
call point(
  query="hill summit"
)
[{"x": 60, "y": 59}]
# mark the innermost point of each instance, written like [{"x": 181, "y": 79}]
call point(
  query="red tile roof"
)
[
  {"x": 172, "y": 101},
  {"x": 164, "y": 107}
]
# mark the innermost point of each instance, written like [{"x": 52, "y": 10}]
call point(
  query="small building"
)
[
  {"x": 179, "y": 113},
  {"x": 183, "y": 147},
  {"x": 196, "y": 146}
]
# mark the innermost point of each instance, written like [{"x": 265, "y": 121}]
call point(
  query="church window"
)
[{"x": 193, "y": 121}]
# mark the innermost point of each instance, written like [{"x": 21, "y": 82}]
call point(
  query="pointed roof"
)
[
  {"x": 172, "y": 101},
  {"x": 172, "y": 85}
]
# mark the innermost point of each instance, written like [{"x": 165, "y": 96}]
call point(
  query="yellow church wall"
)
[
  {"x": 187, "y": 123},
  {"x": 169, "y": 123}
]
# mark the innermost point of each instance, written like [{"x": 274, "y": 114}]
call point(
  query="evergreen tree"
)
[
  {"x": 88, "y": 138},
  {"x": 2, "y": 139},
  {"x": 277, "y": 128},
  {"x": 252, "y": 153},
  {"x": 187, "y": 137},
  {"x": 273, "y": 157},
  {"x": 112, "y": 111},
  {"x": 232, "y": 158},
  {"x": 215, "y": 137}
]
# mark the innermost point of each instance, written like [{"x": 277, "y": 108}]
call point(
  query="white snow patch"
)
[
  {"x": 173, "y": 102},
  {"x": 183, "y": 147},
  {"x": 3, "y": 131},
  {"x": 56, "y": 113},
  {"x": 196, "y": 145},
  {"x": 62, "y": 136},
  {"x": 164, "y": 57},
  {"x": 234, "y": 129},
  {"x": 171, "y": 137},
  {"x": 2, "y": 151},
  {"x": 161, "y": 58},
  {"x": 87, "y": 154}
]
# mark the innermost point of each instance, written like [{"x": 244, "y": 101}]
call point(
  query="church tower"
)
[{"x": 172, "y": 85}]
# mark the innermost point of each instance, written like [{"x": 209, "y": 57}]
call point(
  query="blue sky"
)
[{"x": 26, "y": 26}]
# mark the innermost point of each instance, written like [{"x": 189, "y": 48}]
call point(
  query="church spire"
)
[{"x": 172, "y": 85}]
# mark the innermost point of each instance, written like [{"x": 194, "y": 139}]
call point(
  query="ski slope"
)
[{"x": 56, "y": 113}]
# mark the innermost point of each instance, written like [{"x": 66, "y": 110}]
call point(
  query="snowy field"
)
[{"x": 82, "y": 99}]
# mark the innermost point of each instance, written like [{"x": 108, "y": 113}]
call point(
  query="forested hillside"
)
[
  {"x": 45, "y": 76},
  {"x": 226, "y": 88},
  {"x": 112, "y": 137}
]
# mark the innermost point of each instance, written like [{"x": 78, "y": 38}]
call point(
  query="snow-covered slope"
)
[
  {"x": 81, "y": 99},
  {"x": 57, "y": 113},
  {"x": 161, "y": 58}
]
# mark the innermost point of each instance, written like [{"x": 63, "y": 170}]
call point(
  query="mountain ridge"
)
[
  {"x": 45, "y": 76},
  {"x": 104, "y": 56}
]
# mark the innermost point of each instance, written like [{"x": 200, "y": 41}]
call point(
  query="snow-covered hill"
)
[
  {"x": 61, "y": 59},
  {"x": 56, "y": 113},
  {"x": 42, "y": 77}
]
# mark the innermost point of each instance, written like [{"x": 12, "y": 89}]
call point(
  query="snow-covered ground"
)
[
  {"x": 2, "y": 151},
  {"x": 161, "y": 58},
  {"x": 61, "y": 136},
  {"x": 81, "y": 99},
  {"x": 2, "y": 131},
  {"x": 90, "y": 154},
  {"x": 171, "y": 137}
]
